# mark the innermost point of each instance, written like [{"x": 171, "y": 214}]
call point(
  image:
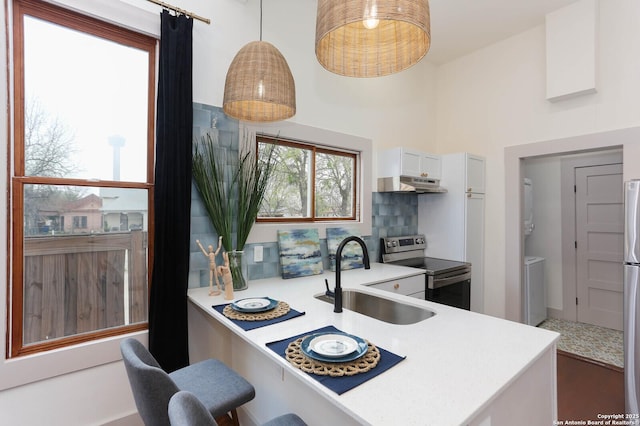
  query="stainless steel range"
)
[{"x": 447, "y": 281}]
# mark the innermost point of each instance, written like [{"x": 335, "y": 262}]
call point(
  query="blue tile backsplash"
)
[{"x": 393, "y": 214}]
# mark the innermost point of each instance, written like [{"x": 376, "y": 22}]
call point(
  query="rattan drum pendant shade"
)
[
  {"x": 400, "y": 35},
  {"x": 259, "y": 85}
]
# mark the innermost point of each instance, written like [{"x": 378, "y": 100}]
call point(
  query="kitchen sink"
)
[{"x": 380, "y": 308}]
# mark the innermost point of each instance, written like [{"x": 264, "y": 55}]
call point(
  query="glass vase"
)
[{"x": 239, "y": 270}]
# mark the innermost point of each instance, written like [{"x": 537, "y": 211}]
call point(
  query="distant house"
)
[
  {"x": 82, "y": 216},
  {"x": 113, "y": 210},
  {"x": 53, "y": 214}
]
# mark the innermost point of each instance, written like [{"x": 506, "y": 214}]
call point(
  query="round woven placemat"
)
[
  {"x": 366, "y": 362},
  {"x": 282, "y": 308}
]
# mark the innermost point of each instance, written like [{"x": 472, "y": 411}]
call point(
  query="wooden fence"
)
[{"x": 82, "y": 283}]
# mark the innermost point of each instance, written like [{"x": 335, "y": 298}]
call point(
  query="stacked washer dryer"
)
[{"x": 535, "y": 297}]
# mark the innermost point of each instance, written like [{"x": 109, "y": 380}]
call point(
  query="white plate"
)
[
  {"x": 333, "y": 345},
  {"x": 253, "y": 304}
]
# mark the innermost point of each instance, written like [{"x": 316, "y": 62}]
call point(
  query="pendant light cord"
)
[{"x": 260, "y": 20}]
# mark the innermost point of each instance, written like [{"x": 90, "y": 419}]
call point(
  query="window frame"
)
[
  {"x": 315, "y": 149},
  {"x": 16, "y": 167},
  {"x": 79, "y": 222},
  {"x": 266, "y": 232}
]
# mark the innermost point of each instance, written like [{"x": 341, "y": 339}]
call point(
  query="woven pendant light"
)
[
  {"x": 371, "y": 38},
  {"x": 259, "y": 85}
]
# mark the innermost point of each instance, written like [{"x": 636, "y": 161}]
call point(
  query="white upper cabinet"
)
[
  {"x": 475, "y": 174},
  {"x": 572, "y": 36},
  {"x": 408, "y": 162}
]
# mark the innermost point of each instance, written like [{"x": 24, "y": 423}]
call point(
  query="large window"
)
[
  {"x": 82, "y": 178},
  {"x": 308, "y": 183}
]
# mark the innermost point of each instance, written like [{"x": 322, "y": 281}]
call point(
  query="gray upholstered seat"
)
[
  {"x": 216, "y": 386},
  {"x": 186, "y": 410}
]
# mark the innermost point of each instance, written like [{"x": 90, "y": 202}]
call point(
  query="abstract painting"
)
[
  {"x": 351, "y": 253},
  {"x": 300, "y": 252}
]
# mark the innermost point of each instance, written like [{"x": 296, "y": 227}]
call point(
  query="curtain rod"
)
[{"x": 182, "y": 11}]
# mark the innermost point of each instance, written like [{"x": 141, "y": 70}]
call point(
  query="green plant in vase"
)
[{"x": 232, "y": 189}]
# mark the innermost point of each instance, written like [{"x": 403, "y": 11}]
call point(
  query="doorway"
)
[
  {"x": 626, "y": 139},
  {"x": 577, "y": 215}
]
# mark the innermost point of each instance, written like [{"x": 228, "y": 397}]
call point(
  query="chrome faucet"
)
[{"x": 337, "y": 296}]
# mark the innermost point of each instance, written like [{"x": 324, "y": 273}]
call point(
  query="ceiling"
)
[{"x": 459, "y": 27}]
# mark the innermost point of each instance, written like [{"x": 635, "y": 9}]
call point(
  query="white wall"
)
[{"x": 495, "y": 98}]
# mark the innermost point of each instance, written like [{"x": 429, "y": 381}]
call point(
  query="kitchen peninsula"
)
[{"x": 461, "y": 368}]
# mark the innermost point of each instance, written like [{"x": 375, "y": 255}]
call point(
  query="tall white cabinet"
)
[{"x": 453, "y": 222}]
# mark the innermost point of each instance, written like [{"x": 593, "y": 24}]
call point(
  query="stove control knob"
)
[{"x": 394, "y": 243}]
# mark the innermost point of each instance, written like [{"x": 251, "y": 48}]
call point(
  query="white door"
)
[
  {"x": 599, "y": 245},
  {"x": 410, "y": 163},
  {"x": 475, "y": 174},
  {"x": 430, "y": 165}
]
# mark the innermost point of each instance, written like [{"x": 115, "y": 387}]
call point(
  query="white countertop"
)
[{"x": 456, "y": 361}]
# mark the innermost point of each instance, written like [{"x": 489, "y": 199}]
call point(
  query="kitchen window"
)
[
  {"x": 308, "y": 182},
  {"x": 313, "y": 138},
  {"x": 81, "y": 178}
]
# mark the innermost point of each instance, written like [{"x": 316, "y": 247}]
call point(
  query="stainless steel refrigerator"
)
[{"x": 632, "y": 296}]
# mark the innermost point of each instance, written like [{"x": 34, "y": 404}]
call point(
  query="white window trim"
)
[
  {"x": 44, "y": 365},
  {"x": 268, "y": 232}
]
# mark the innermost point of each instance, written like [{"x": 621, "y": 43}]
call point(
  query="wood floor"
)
[
  {"x": 587, "y": 388},
  {"x": 224, "y": 421}
]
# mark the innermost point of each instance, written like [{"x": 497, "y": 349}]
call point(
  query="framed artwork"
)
[
  {"x": 300, "y": 252},
  {"x": 351, "y": 253}
]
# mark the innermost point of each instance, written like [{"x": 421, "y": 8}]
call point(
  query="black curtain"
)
[{"x": 168, "y": 341}]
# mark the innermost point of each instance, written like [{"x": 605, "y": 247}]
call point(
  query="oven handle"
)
[{"x": 443, "y": 282}]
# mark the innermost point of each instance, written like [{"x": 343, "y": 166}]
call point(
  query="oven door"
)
[{"x": 452, "y": 290}]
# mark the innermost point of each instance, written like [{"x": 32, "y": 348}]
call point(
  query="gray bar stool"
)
[
  {"x": 186, "y": 410},
  {"x": 218, "y": 388}
]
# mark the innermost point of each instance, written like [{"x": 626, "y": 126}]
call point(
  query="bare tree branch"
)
[{"x": 48, "y": 143}]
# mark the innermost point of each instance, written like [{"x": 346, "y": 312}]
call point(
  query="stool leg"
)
[{"x": 234, "y": 417}]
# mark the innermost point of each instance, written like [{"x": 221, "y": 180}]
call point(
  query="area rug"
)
[{"x": 590, "y": 341}]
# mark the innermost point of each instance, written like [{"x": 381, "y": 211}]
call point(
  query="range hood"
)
[{"x": 410, "y": 184}]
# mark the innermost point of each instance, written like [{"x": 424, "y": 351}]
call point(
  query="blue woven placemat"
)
[
  {"x": 250, "y": 325},
  {"x": 341, "y": 384}
]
